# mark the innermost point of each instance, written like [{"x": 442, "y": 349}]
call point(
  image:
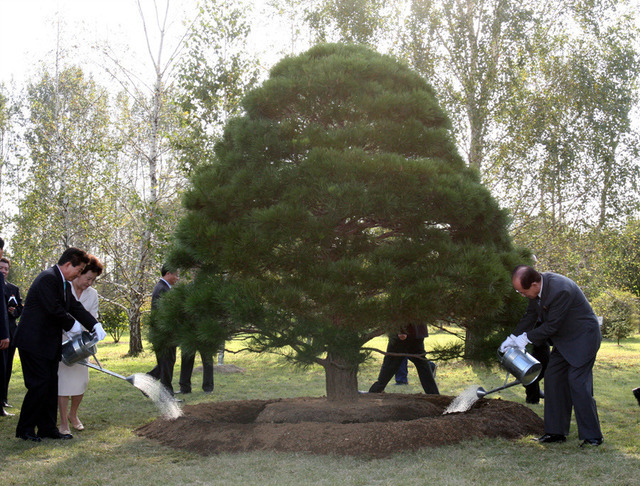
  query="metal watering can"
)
[
  {"x": 524, "y": 367},
  {"x": 80, "y": 347}
]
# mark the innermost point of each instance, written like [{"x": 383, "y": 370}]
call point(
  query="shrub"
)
[
  {"x": 619, "y": 311},
  {"x": 114, "y": 320}
]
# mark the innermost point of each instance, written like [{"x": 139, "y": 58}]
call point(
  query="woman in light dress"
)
[{"x": 73, "y": 380}]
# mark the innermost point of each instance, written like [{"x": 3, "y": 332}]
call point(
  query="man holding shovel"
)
[{"x": 570, "y": 325}]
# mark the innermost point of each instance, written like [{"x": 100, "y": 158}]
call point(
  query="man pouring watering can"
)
[{"x": 569, "y": 324}]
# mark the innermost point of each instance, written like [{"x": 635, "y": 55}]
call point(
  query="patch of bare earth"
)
[{"x": 375, "y": 425}]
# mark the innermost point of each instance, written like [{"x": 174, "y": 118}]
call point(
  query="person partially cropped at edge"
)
[
  {"x": 49, "y": 309},
  {"x": 568, "y": 323},
  {"x": 4, "y": 332},
  {"x": 13, "y": 303}
]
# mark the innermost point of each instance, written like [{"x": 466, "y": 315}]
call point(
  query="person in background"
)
[
  {"x": 402, "y": 375},
  {"x": 14, "y": 309},
  {"x": 636, "y": 393},
  {"x": 186, "y": 370},
  {"x": 49, "y": 309},
  {"x": 166, "y": 359},
  {"x": 4, "y": 332},
  {"x": 568, "y": 322},
  {"x": 410, "y": 341},
  {"x": 73, "y": 380}
]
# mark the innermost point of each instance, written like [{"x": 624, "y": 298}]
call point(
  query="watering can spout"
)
[{"x": 481, "y": 392}]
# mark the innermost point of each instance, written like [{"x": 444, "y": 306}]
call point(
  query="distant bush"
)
[
  {"x": 114, "y": 320},
  {"x": 619, "y": 311}
]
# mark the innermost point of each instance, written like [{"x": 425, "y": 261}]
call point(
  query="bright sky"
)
[{"x": 29, "y": 28}]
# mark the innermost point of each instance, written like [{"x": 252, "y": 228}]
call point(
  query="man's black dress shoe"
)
[
  {"x": 636, "y": 393},
  {"x": 532, "y": 401},
  {"x": 4, "y": 413},
  {"x": 5, "y": 404},
  {"x": 56, "y": 435},
  {"x": 592, "y": 442},
  {"x": 29, "y": 436},
  {"x": 547, "y": 438}
]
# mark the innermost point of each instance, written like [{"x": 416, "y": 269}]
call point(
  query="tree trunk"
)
[
  {"x": 135, "y": 334},
  {"x": 341, "y": 379},
  {"x": 473, "y": 341}
]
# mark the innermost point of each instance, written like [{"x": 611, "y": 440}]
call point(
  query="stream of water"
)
[
  {"x": 464, "y": 401},
  {"x": 159, "y": 394}
]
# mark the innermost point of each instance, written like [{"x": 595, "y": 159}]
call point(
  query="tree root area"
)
[{"x": 375, "y": 425}]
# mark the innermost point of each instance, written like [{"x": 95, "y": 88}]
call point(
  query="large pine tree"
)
[{"x": 337, "y": 208}]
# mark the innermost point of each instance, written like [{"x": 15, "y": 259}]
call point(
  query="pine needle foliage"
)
[{"x": 339, "y": 207}]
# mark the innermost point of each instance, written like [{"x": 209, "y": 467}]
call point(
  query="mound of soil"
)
[{"x": 375, "y": 425}]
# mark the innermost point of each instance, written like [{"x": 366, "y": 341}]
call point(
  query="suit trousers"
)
[
  {"x": 40, "y": 405},
  {"x": 567, "y": 387},
  {"x": 390, "y": 365},
  {"x": 541, "y": 353},
  {"x": 186, "y": 370},
  {"x": 163, "y": 371}
]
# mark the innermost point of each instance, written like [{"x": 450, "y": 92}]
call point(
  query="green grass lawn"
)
[{"x": 109, "y": 453}]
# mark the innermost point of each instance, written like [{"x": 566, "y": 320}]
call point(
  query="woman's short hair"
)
[{"x": 94, "y": 266}]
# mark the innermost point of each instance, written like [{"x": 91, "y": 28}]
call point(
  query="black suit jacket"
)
[
  {"x": 48, "y": 310},
  {"x": 160, "y": 288},
  {"x": 10, "y": 291},
  {"x": 4, "y": 317},
  {"x": 567, "y": 320}
]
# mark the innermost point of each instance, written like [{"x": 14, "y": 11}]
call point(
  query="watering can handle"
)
[{"x": 500, "y": 356}]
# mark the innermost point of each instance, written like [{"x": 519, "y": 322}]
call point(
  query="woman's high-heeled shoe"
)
[{"x": 77, "y": 425}]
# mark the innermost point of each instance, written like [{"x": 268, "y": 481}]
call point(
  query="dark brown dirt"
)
[{"x": 375, "y": 425}]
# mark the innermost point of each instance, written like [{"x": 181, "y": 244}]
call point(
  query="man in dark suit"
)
[
  {"x": 166, "y": 359},
  {"x": 49, "y": 308},
  {"x": 568, "y": 322},
  {"x": 4, "y": 332},
  {"x": 408, "y": 343},
  {"x": 14, "y": 310}
]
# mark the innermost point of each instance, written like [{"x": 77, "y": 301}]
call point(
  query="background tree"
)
[
  {"x": 69, "y": 150},
  {"x": 213, "y": 76},
  {"x": 149, "y": 202},
  {"x": 619, "y": 312},
  {"x": 566, "y": 133},
  {"x": 467, "y": 49},
  {"x": 351, "y": 21},
  {"x": 339, "y": 203}
]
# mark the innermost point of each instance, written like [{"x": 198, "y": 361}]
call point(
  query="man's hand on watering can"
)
[
  {"x": 522, "y": 340},
  {"x": 99, "y": 331},
  {"x": 510, "y": 342},
  {"x": 75, "y": 330}
]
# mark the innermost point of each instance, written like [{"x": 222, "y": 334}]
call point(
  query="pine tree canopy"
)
[{"x": 338, "y": 206}]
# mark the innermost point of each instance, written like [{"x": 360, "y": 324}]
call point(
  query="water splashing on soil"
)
[
  {"x": 159, "y": 393},
  {"x": 464, "y": 401}
]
